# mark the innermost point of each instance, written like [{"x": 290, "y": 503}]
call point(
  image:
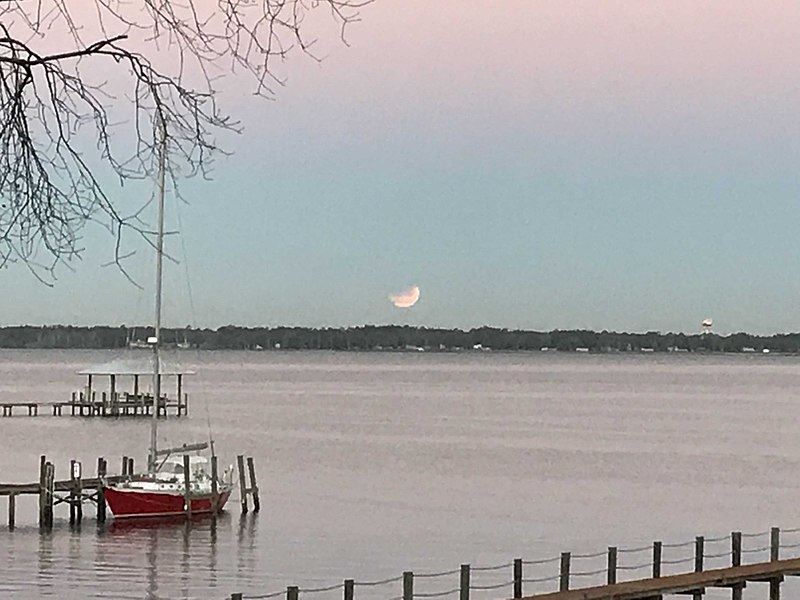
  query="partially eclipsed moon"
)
[{"x": 406, "y": 298}]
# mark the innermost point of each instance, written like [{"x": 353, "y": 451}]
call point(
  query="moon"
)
[{"x": 406, "y": 298}]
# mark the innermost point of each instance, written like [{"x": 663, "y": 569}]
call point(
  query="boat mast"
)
[{"x": 152, "y": 458}]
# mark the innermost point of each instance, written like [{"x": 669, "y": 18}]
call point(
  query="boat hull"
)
[{"x": 129, "y": 503}]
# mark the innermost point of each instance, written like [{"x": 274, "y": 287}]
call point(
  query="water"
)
[{"x": 372, "y": 464}]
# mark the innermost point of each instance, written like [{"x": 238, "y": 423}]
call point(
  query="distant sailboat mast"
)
[{"x": 152, "y": 462}]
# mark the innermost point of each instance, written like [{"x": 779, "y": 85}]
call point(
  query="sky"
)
[{"x": 526, "y": 163}]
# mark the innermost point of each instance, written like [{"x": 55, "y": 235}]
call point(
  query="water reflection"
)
[{"x": 150, "y": 558}]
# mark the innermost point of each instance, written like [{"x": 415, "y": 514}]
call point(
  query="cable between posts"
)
[
  {"x": 542, "y": 561},
  {"x": 436, "y": 594},
  {"x": 380, "y": 582},
  {"x": 439, "y": 574},
  {"x": 264, "y": 596},
  {"x": 494, "y": 568},
  {"x": 497, "y": 586},
  {"x": 329, "y": 588}
]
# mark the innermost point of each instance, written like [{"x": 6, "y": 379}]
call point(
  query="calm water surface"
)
[{"x": 371, "y": 464}]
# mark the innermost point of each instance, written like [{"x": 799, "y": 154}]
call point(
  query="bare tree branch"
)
[{"x": 55, "y": 104}]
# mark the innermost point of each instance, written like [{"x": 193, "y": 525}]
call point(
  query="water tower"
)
[{"x": 707, "y": 323}]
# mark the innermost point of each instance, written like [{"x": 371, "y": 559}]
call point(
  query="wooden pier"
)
[
  {"x": 78, "y": 490},
  {"x": 643, "y": 581},
  {"x": 113, "y": 399}
]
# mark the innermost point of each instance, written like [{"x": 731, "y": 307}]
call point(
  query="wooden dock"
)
[
  {"x": 78, "y": 490},
  {"x": 78, "y": 406},
  {"x": 113, "y": 389},
  {"x": 696, "y": 573}
]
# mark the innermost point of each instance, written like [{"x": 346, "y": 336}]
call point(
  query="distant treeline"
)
[{"x": 392, "y": 337}]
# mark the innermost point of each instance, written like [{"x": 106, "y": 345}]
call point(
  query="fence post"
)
[
  {"x": 736, "y": 561},
  {"x": 236, "y": 596},
  {"x": 408, "y": 585},
  {"x": 464, "y": 585},
  {"x": 699, "y": 544},
  {"x": 612, "y": 565},
  {"x": 774, "y": 544},
  {"x": 563, "y": 579},
  {"x": 517, "y": 578},
  {"x": 736, "y": 548},
  {"x": 349, "y": 586},
  {"x": 774, "y": 554},
  {"x": 292, "y": 592},
  {"x": 656, "y": 560}
]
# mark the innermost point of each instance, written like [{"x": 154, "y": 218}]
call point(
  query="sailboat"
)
[{"x": 175, "y": 483}]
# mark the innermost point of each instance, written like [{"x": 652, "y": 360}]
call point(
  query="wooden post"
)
[
  {"x": 774, "y": 544},
  {"x": 124, "y": 465},
  {"x": 73, "y": 500},
  {"x": 101, "y": 494},
  {"x": 180, "y": 392},
  {"x": 563, "y": 580},
  {"x": 408, "y": 585},
  {"x": 517, "y": 578},
  {"x": 774, "y": 554},
  {"x": 242, "y": 482},
  {"x": 214, "y": 486},
  {"x": 292, "y": 592},
  {"x": 130, "y": 465},
  {"x": 463, "y": 587},
  {"x": 612, "y": 565},
  {"x": 656, "y": 560},
  {"x": 12, "y": 505},
  {"x": 699, "y": 543},
  {"x": 253, "y": 485},
  {"x": 187, "y": 492},
  {"x": 236, "y": 596},
  {"x": 50, "y": 475},
  {"x": 736, "y": 561},
  {"x": 42, "y": 489},
  {"x": 736, "y": 548},
  {"x": 77, "y": 474},
  {"x": 349, "y": 588}
]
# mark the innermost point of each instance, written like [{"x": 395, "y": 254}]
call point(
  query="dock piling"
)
[
  {"x": 187, "y": 492},
  {"x": 101, "y": 495},
  {"x": 242, "y": 482},
  {"x": 12, "y": 508},
  {"x": 253, "y": 485},
  {"x": 292, "y": 592},
  {"x": 42, "y": 489},
  {"x": 214, "y": 486}
]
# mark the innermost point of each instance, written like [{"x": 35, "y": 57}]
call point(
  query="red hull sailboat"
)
[{"x": 175, "y": 483}]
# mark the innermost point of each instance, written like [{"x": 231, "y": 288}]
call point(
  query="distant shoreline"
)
[{"x": 386, "y": 338}]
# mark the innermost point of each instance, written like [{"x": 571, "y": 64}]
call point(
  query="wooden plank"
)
[{"x": 676, "y": 584}]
